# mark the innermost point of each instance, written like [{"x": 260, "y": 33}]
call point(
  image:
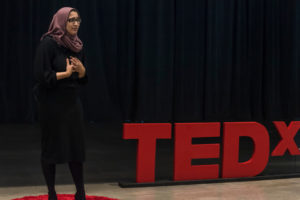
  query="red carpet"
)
[{"x": 63, "y": 197}]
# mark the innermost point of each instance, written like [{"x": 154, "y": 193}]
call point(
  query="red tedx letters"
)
[{"x": 185, "y": 151}]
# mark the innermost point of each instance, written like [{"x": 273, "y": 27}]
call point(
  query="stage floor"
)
[
  {"x": 110, "y": 160},
  {"x": 279, "y": 189}
]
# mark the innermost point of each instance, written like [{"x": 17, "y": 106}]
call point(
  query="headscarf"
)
[{"x": 57, "y": 30}]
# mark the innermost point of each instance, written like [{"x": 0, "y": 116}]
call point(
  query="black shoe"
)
[
  {"x": 80, "y": 196},
  {"x": 52, "y": 196}
]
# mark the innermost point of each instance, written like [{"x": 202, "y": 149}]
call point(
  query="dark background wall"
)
[{"x": 164, "y": 60}]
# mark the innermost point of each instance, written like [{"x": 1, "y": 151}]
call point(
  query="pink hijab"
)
[{"x": 57, "y": 30}]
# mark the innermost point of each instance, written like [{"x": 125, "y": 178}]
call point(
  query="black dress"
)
[{"x": 59, "y": 105}]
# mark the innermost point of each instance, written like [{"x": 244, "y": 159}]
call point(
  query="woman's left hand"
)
[{"x": 78, "y": 66}]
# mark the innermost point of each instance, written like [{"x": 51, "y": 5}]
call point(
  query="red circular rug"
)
[{"x": 63, "y": 197}]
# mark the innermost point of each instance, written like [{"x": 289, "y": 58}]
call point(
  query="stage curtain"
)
[{"x": 164, "y": 60}]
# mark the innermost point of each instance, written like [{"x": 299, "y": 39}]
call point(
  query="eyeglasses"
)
[{"x": 73, "y": 20}]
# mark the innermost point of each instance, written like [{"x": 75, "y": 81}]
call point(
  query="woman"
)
[{"x": 59, "y": 71}]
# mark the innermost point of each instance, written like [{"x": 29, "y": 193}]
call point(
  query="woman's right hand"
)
[{"x": 69, "y": 68}]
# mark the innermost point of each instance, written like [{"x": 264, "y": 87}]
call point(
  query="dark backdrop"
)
[{"x": 164, "y": 60}]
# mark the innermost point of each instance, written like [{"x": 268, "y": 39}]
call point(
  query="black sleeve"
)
[
  {"x": 84, "y": 79},
  {"x": 43, "y": 72}
]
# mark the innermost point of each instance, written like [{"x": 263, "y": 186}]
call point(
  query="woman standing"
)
[{"x": 60, "y": 69}]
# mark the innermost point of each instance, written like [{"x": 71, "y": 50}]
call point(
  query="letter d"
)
[{"x": 232, "y": 168}]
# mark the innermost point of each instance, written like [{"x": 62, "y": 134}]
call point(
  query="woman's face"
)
[{"x": 73, "y": 23}]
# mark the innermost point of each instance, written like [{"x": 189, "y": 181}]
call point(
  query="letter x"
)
[{"x": 287, "y": 134}]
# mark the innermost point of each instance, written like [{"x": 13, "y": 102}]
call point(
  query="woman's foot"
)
[
  {"x": 52, "y": 196},
  {"x": 80, "y": 195}
]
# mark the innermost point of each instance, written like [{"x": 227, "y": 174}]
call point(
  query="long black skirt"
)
[{"x": 62, "y": 126}]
